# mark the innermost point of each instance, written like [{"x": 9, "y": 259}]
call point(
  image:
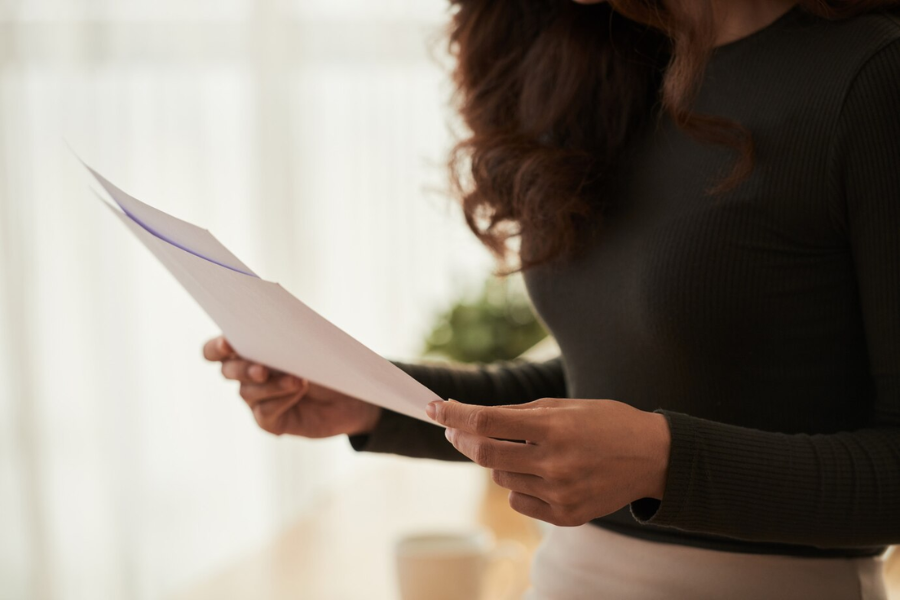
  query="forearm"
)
[
  {"x": 506, "y": 382},
  {"x": 399, "y": 434},
  {"x": 836, "y": 490}
]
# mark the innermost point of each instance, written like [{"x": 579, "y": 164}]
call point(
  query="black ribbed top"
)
[{"x": 764, "y": 323}]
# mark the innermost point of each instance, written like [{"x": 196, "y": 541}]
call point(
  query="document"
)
[{"x": 261, "y": 320}]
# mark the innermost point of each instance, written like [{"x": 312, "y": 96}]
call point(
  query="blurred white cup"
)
[{"x": 462, "y": 565}]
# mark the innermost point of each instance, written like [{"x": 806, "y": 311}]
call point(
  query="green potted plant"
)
[{"x": 499, "y": 324}]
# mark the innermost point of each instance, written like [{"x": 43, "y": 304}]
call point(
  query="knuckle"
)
[
  {"x": 557, "y": 519},
  {"x": 578, "y": 518},
  {"x": 260, "y": 421},
  {"x": 482, "y": 453},
  {"x": 212, "y": 351},
  {"x": 559, "y": 470},
  {"x": 266, "y": 424},
  {"x": 566, "y": 518},
  {"x": 543, "y": 431},
  {"x": 549, "y": 429},
  {"x": 479, "y": 420},
  {"x": 568, "y": 521},
  {"x": 559, "y": 496},
  {"x": 551, "y": 469},
  {"x": 232, "y": 369}
]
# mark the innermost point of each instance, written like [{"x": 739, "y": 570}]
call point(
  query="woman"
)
[{"x": 707, "y": 196}]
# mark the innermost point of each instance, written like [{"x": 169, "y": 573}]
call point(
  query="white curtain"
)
[{"x": 310, "y": 138}]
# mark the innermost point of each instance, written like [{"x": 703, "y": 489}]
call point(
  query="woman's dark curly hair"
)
[{"x": 551, "y": 90}]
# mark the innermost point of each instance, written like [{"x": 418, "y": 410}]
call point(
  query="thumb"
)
[{"x": 539, "y": 403}]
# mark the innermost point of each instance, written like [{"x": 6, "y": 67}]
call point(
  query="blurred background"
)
[{"x": 310, "y": 136}]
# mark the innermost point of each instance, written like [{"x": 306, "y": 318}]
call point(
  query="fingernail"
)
[
  {"x": 222, "y": 344},
  {"x": 452, "y": 400},
  {"x": 431, "y": 408},
  {"x": 447, "y": 434},
  {"x": 258, "y": 372},
  {"x": 287, "y": 382}
]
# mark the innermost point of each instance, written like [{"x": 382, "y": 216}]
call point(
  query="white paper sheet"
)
[
  {"x": 180, "y": 233},
  {"x": 262, "y": 321}
]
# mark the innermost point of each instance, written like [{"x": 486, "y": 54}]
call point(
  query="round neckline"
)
[{"x": 736, "y": 45}]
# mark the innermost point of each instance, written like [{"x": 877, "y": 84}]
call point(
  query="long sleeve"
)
[
  {"x": 506, "y": 382},
  {"x": 830, "y": 490}
]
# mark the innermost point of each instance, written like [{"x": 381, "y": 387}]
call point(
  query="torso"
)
[{"x": 741, "y": 308}]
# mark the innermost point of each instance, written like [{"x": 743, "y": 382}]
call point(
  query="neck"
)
[{"x": 736, "y": 19}]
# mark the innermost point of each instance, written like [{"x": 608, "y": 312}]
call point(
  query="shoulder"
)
[
  {"x": 875, "y": 76},
  {"x": 823, "y": 62},
  {"x": 831, "y": 100},
  {"x": 881, "y": 27},
  {"x": 847, "y": 44},
  {"x": 877, "y": 26},
  {"x": 865, "y": 141},
  {"x": 818, "y": 59},
  {"x": 881, "y": 49}
]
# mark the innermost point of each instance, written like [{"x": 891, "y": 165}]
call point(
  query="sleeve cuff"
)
[
  {"x": 679, "y": 475},
  {"x": 383, "y": 438}
]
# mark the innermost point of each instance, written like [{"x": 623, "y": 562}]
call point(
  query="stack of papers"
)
[{"x": 260, "y": 319}]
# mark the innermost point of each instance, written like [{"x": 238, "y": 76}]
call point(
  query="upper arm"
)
[{"x": 868, "y": 147}]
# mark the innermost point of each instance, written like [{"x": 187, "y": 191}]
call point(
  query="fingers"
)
[
  {"x": 239, "y": 369},
  {"x": 534, "y": 507},
  {"x": 531, "y": 507},
  {"x": 270, "y": 414},
  {"x": 535, "y": 497},
  {"x": 523, "y": 483},
  {"x": 539, "y": 403},
  {"x": 275, "y": 387},
  {"x": 490, "y": 421},
  {"x": 271, "y": 401},
  {"x": 495, "y": 454},
  {"x": 217, "y": 349}
]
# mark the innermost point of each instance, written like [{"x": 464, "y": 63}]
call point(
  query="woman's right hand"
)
[{"x": 282, "y": 403}]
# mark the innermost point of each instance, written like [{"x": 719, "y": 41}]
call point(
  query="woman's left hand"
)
[{"x": 582, "y": 459}]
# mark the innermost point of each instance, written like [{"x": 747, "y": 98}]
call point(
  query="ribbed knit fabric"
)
[{"x": 764, "y": 323}]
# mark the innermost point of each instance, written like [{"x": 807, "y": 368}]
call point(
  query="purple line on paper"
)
[{"x": 177, "y": 245}]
